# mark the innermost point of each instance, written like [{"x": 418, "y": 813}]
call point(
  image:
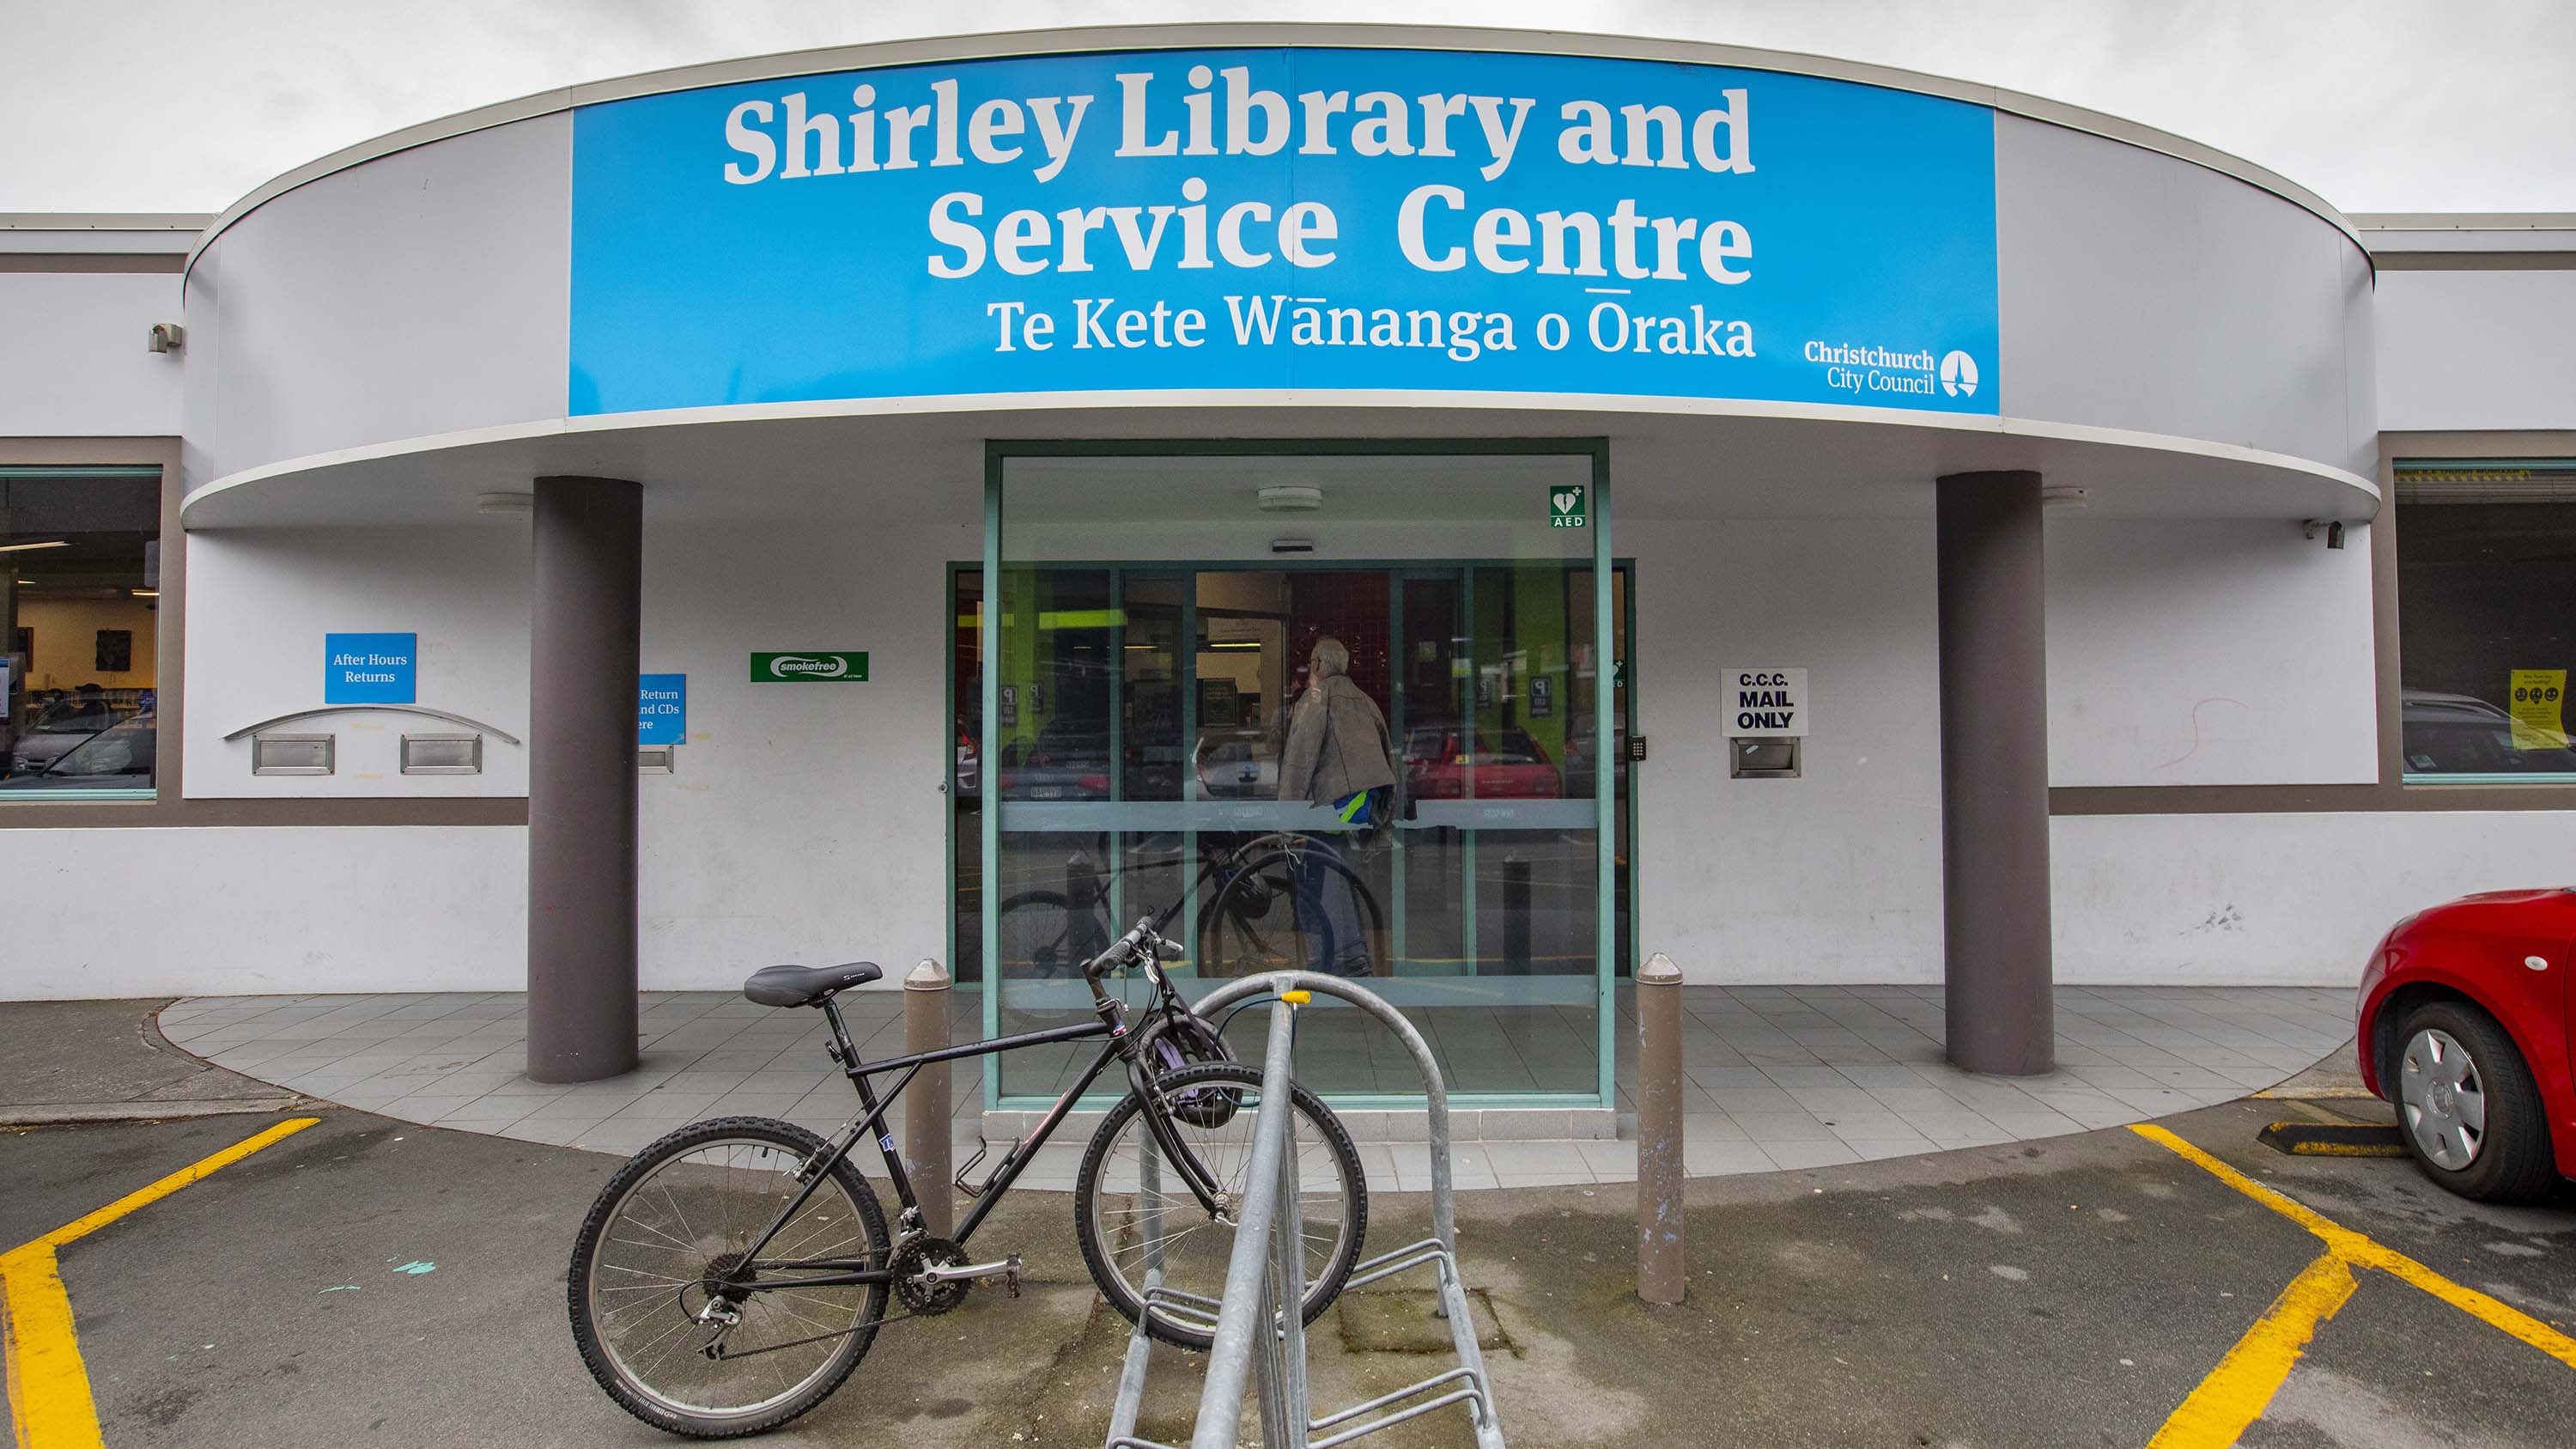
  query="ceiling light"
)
[
  {"x": 1291, "y": 498},
  {"x": 145, "y": 593},
  {"x": 506, "y": 505},
  {"x": 23, "y": 547},
  {"x": 2062, "y": 495}
]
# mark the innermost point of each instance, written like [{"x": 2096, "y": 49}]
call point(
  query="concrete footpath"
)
[
  {"x": 71, "y": 1061},
  {"x": 368, "y": 1282}
]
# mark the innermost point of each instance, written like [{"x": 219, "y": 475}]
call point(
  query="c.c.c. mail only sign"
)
[{"x": 1770, "y": 702}]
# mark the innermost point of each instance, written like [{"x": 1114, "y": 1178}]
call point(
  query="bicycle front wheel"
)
[
  {"x": 1127, "y": 1189},
  {"x": 668, "y": 1235}
]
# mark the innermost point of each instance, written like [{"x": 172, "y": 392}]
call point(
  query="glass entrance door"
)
[{"x": 1382, "y": 763}]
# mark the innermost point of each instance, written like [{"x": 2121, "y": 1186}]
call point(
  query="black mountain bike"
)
[
  {"x": 1247, "y": 923},
  {"x": 731, "y": 1275}
]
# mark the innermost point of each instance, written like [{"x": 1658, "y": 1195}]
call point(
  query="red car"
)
[
  {"x": 1509, "y": 765},
  {"x": 2465, "y": 1026}
]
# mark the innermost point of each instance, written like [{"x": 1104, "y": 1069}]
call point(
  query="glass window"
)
[
  {"x": 2486, "y": 598},
  {"x": 1325, "y": 711},
  {"x": 79, "y": 613}
]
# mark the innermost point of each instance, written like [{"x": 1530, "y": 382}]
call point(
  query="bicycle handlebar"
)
[{"x": 1125, "y": 949}]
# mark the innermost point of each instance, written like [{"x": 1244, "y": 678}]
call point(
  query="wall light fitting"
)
[
  {"x": 506, "y": 505},
  {"x": 1291, "y": 498}
]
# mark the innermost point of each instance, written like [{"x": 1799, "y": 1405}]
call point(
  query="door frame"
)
[{"x": 997, "y": 455}]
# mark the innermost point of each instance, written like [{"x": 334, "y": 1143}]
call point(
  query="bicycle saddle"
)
[{"x": 806, "y": 985}]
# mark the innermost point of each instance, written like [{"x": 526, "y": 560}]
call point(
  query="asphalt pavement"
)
[{"x": 370, "y": 1283}]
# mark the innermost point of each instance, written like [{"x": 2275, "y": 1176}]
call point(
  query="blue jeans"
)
[{"x": 1328, "y": 911}]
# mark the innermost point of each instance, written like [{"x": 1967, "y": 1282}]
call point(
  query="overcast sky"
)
[{"x": 2378, "y": 105}]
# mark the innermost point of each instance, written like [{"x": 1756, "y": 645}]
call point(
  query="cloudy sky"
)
[{"x": 2378, "y": 105}]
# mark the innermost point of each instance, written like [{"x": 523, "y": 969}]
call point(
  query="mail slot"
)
[
  {"x": 442, "y": 754},
  {"x": 291, "y": 754},
  {"x": 1763, "y": 757}
]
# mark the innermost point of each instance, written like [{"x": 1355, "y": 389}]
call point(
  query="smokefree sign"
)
[{"x": 1415, "y": 221}]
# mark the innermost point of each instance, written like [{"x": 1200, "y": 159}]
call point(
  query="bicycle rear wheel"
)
[
  {"x": 1125, "y": 1186},
  {"x": 1254, "y": 925},
  {"x": 669, "y": 1232}
]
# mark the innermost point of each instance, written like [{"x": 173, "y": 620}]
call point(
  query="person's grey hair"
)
[{"x": 1331, "y": 657}]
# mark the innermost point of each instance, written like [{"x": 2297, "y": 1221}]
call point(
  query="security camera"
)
[
  {"x": 2332, "y": 528},
  {"x": 168, "y": 337}
]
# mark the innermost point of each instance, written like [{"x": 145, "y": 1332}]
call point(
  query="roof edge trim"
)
[{"x": 996, "y": 45}]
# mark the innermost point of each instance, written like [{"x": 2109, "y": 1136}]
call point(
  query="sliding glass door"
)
[{"x": 1335, "y": 710}]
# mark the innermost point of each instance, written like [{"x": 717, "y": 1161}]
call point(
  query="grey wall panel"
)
[
  {"x": 201, "y": 383},
  {"x": 2139, "y": 291},
  {"x": 2476, "y": 350},
  {"x": 421, "y": 293}
]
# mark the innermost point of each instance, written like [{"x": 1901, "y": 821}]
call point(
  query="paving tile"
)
[{"x": 1809, "y": 1154}]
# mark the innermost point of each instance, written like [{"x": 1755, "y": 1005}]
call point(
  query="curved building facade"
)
[{"x": 1828, "y": 524}]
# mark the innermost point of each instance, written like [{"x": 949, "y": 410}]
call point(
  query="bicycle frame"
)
[{"x": 848, "y": 1272}]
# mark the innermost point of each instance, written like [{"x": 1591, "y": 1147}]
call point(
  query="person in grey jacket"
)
[{"x": 1337, "y": 751}]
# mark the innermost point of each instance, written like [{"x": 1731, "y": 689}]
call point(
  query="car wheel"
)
[{"x": 2467, "y": 1107}]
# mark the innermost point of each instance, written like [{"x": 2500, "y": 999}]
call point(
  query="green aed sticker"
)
[
  {"x": 811, "y": 666},
  {"x": 1567, "y": 505}
]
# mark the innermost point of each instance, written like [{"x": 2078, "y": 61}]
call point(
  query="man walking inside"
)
[{"x": 1337, "y": 755}]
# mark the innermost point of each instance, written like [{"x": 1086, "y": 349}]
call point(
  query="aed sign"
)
[
  {"x": 661, "y": 709},
  {"x": 811, "y": 666},
  {"x": 370, "y": 668},
  {"x": 1569, "y": 506},
  {"x": 1766, "y": 702},
  {"x": 1284, "y": 218}
]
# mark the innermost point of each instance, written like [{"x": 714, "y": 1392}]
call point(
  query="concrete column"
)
[
  {"x": 1994, "y": 775},
  {"x": 585, "y": 608}
]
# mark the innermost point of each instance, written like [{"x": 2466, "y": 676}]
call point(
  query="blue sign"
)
[
  {"x": 1376, "y": 220},
  {"x": 370, "y": 668},
  {"x": 661, "y": 709}
]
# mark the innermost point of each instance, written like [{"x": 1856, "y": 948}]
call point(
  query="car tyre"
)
[{"x": 2508, "y": 1156}]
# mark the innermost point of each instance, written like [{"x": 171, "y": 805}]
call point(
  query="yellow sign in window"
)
[{"x": 2537, "y": 695}]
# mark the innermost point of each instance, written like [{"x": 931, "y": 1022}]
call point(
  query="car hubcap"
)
[{"x": 2443, "y": 1099}]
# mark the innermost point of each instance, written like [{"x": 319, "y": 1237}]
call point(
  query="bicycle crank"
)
[{"x": 931, "y": 1275}]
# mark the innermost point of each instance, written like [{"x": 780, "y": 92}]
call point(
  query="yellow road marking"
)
[
  {"x": 50, "y": 1405},
  {"x": 2235, "y": 1393},
  {"x": 2252, "y": 1371}
]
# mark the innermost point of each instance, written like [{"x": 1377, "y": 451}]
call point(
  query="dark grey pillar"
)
[
  {"x": 585, "y": 608},
  {"x": 1994, "y": 775}
]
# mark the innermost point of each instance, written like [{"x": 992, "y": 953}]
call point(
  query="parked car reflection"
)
[
  {"x": 117, "y": 757},
  {"x": 1507, "y": 765},
  {"x": 1061, "y": 763},
  {"x": 1236, "y": 764},
  {"x": 2459, "y": 734}
]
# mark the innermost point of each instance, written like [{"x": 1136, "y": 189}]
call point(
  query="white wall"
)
[
  {"x": 804, "y": 822},
  {"x": 2255, "y": 637},
  {"x": 1834, "y": 877},
  {"x": 152, "y": 912},
  {"x": 72, "y": 359},
  {"x": 2476, "y": 349},
  {"x": 260, "y": 600},
  {"x": 2225, "y": 652},
  {"x": 2239, "y": 900}
]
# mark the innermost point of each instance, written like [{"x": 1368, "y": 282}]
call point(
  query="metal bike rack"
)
[{"x": 1259, "y": 1328}]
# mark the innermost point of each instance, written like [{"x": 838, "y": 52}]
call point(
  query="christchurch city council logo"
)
[
  {"x": 800, "y": 664},
  {"x": 1958, "y": 374}
]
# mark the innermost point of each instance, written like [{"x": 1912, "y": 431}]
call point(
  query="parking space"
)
[{"x": 372, "y": 1282}]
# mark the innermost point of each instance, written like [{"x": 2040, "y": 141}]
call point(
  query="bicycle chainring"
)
[{"x": 921, "y": 1295}]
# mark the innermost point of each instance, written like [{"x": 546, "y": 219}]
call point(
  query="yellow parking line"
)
[
  {"x": 2235, "y": 1393},
  {"x": 2363, "y": 1252},
  {"x": 50, "y": 1405}
]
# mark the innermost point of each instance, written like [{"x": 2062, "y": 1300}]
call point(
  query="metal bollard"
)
[
  {"x": 1660, "y": 1272},
  {"x": 926, "y": 1102}
]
